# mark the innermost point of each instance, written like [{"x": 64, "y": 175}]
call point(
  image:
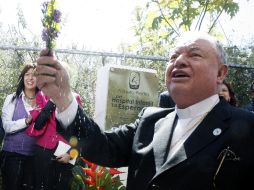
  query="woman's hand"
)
[
  {"x": 65, "y": 158},
  {"x": 28, "y": 120}
]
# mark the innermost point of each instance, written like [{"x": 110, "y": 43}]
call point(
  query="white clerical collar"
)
[{"x": 199, "y": 108}]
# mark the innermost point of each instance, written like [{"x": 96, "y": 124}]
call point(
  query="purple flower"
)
[
  {"x": 57, "y": 16},
  {"x": 51, "y": 23},
  {"x": 44, "y": 7},
  {"x": 45, "y": 35},
  {"x": 50, "y": 33},
  {"x": 54, "y": 33}
]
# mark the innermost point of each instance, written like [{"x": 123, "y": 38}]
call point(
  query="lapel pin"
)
[{"x": 216, "y": 131}]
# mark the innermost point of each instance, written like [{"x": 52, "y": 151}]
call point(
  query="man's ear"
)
[{"x": 222, "y": 72}]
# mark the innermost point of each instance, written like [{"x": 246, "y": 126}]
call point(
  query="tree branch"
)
[
  {"x": 214, "y": 22},
  {"x": 202, "y": 18},
  {"x": 164, "y": 17},
  {"x": 188, "y": 15}
]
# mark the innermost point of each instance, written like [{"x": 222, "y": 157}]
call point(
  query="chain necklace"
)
[{"x": 29, "y": 100}]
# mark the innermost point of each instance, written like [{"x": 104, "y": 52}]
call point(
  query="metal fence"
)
[
  {"x": 111, "y": 54},
  {"x": 84, "y": 65}
]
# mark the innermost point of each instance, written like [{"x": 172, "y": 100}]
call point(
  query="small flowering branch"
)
[{"x": 51, "y": 23}]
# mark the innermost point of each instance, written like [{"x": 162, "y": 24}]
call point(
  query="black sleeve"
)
[
  {"x": 44, "y": 115},
  {"x": 2, "y": 132}
]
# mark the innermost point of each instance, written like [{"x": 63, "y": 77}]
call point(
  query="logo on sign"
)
[{"x": 134, "y": 80}]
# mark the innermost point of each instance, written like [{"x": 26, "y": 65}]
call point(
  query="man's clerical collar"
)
[{"x": 199, "y": 108}]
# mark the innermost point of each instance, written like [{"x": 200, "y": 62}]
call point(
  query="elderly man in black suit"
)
[{"x": 203, "y": 143}]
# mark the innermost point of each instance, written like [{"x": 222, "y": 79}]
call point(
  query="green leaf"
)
[{"x": 156, "y": 22}]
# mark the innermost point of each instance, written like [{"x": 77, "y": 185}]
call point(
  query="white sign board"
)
[{"x": 121, "y": 93}]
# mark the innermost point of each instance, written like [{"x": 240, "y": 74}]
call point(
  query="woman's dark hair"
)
[
  {"x": 232, "y": 100},
  {"x": 20, "y": 85}
]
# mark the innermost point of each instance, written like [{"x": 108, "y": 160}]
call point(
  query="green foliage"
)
[
  {"x": 11, "y": 61},
  {"x": 158, "y": 23},
  {"x": 241, "y": 79}
]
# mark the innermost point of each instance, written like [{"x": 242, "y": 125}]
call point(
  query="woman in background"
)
[
  {"x": 51, "y": 172},
  {"x": 18, "y": 148},
  {"x": 43, "y": 127},
  {"x": 227, "y": 92}
]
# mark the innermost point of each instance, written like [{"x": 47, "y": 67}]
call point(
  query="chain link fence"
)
[{"x": 83, "y": 66}]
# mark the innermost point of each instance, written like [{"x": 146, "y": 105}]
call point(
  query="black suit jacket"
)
[
  {"x": 2, "y": 132},
  {"x": 219, "y": 154},
  {"x": 165, "y": 100}
]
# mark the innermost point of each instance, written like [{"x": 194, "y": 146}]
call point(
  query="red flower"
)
[
  {"x": 90, "y": 164},
  {"x": 101, "y": 172},
  {"x": 89, "y": 172},
  {"x": 114, "y": 171},
  {"x": 89, "y": 180},
  {"x": 95, "y": 177}
]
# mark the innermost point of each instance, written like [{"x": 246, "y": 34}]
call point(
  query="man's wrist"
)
[
  {"x": 67, "y": 116},
  {"x": 64, "y": 103}
]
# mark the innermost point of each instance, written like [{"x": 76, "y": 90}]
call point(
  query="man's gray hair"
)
[
  {"x": 222, "y": 55},
  {"x": 189, "y": 36}
]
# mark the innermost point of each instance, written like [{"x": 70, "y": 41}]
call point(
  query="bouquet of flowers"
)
[
  {"x": 90, "y": 176},
  {"x": 51, "y": 23}
]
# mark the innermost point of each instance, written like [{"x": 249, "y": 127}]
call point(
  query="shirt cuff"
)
[{"x": 68, "y": 115}]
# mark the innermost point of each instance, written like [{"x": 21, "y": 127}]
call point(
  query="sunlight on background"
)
[
  {"x": 94, "y": 24},
  {"x": 241, "y": 27},
  {"x": 103, "y": 25}
]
